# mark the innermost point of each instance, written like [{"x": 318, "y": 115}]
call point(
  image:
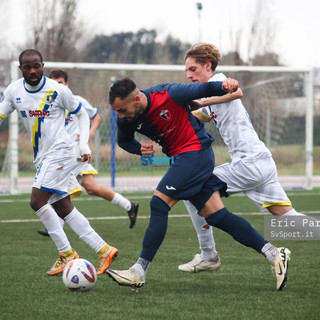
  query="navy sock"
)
[
  {"x": 240, "y": 229},
  {"x": 157, "y": 228}
]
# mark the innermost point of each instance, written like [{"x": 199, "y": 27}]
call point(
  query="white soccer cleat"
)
[
  {"x": 198, "y": 265},
  {"x": 126, "y": 278},
  {"x": 279, "y": 266}
]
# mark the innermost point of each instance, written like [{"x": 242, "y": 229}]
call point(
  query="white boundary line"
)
[{"x": 147, "y": 217}]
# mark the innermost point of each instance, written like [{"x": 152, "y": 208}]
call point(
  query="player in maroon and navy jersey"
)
[{"x": 162, "y": 114}]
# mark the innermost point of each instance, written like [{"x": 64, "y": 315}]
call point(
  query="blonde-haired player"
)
[{"x": 252, "y": 169}]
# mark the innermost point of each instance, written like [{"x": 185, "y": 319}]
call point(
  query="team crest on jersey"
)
[{"x": 165, "y": 114}]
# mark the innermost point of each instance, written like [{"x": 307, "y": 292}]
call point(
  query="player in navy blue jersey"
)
[{"x": 162, "y": 114}]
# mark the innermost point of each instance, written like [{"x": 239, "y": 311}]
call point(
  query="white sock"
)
[
  {"x": 61, "y": 222},
  {"x": 269, "y": 251},
  {"x": 293, "y": 212},
  {"x": 209, "y": 254},
  {"x": 51, "y": 221},
  {"x": 139, "y": 271},
  {"x": 81, "y": 226},
  {"x": 204, "y": 232},
  {"x": 121, "y": 201}
]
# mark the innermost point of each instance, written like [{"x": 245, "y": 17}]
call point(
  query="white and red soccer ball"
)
[{"x": 79, "y": 275}]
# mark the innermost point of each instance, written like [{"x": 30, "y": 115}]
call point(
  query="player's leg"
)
[
  {"x": 208, "y": 259},
  {"x": 81, "y": 226},
  {"x": 93, "y": 188},
  {"x": 50, "y": 219},
  {"x": 181, "y": 181},
  {"x": 242, "y": 231}
]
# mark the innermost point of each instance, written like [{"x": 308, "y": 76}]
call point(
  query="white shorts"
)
[
  {"x": 256, "y": 178},
  {"x": 55, "y": 176},
  {"x": 82, "y": 169}
]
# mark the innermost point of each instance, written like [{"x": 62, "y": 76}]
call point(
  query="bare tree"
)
[
  {"x": 254, "y": 37},
  {"x": 54, "y": 29}
]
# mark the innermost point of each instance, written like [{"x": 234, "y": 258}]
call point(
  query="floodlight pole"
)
[{"x": 199, "y": 7}]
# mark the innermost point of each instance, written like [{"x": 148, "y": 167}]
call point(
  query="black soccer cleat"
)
[
  {"x": 44, "y": 232},
  {"x": 132, "y": 213}
]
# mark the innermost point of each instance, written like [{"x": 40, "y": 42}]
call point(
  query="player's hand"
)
[
  {"x": 86, "y": 158},
  {"x": 147, "y": 148},
  {"x": 230, "y": 85}
]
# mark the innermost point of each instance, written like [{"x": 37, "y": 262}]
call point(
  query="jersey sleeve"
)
[
  {"x": 205, "y": 112},
  {"x": 6, "y": 105},
  {"x": 92, "y": 111},
  {"x": 182, "y": 93},
  {"x": 69, "y": 101},
  {"x": 126, "y": 138}
]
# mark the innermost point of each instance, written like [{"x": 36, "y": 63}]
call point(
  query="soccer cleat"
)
[
  {"x": 198, "y": 265},
  {"x": 279, "y": 266},
  {"x": 132, "y": 213},
  {"x": 44, "y": 232},
  {"x": 60, "y": 263},
  {"x": 106, "y": 259},
  {"x": 126, "y": 278}
]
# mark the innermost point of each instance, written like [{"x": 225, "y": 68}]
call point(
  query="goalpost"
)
[{"x": 278, "y": 99}]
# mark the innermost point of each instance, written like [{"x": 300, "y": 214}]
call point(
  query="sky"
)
[{"x": 295, "y": 23}]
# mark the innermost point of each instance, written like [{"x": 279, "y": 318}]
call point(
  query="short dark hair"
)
[
  {"x": 121, "y": 89},
  {"x": 58, "y": 73},
  {"x": 29, "y": 52}
]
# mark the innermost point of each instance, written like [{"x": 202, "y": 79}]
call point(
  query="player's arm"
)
[
  {"x": 196, "y": 104},
  {"x": 84, "y": 127},
  {"x": 95, "y": 124},
  {"x": 126, "y": 139}
]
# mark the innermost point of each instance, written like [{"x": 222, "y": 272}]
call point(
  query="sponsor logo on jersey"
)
[
  {"x": 165, "y": 114},
  {"x": 18, "y": 100},
  {"x": 39, "y": 113}
]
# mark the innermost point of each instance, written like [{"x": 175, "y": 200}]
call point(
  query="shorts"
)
[
  {"x": 83, "y": 168},
  {"x": 256, "y": 178},
  {"x": 190, "y": 177},
  {"x": 54, "y": 175}
]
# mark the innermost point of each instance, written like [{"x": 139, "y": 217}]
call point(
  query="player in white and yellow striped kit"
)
[{"x": 41, "y": 104}]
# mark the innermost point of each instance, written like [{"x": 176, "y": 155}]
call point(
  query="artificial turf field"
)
[{"x": 244, "y": 288}]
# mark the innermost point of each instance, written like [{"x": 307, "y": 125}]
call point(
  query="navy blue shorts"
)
[{"x": 190, "y": 178}]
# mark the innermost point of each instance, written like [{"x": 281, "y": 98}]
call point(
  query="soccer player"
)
[
  {"x": 85, "y": 172},
  {"x": 252, "y": 169},
  {"x": 41, "y": 104},
  {"x": 162, "y": 113}
]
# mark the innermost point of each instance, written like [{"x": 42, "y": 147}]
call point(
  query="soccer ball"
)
[{"x": 79, "y": 275}]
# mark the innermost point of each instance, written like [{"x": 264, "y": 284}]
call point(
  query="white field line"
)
[
  {"x": 147, "y": 217},
  {"x": 311, "y": 193}
]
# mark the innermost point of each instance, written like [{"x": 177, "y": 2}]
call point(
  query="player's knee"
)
[{"x": 158, "y": 206}]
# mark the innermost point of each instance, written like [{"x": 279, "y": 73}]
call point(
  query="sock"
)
[
  {"x": 141, "y": 267},
  {"x": 61, "y": 222},
  {"x": 204, "y": 233},
  {"x": 269, "y": 251},
  {"x": 81, "y": 226},
  {"x": 209, "y": 254},
  {"x": 104, "y": 250},
  {"x": 121, "y": 201},
  {"x": 239, "y": 228},
  {"x": 293, "y": 212},
  {"x": 51, "y": 221},
  {"x": 157, "y": 228}
]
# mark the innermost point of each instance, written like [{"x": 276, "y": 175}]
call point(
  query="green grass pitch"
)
[{"x": 244, "y": 288}]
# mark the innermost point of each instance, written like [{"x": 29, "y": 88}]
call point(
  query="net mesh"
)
[{"x": 275, "y": 101}]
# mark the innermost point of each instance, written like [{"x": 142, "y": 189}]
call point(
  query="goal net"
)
[{"x": 279, "y": 101}]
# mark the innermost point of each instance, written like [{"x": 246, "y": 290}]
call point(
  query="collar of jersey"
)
[{"x": 35, "y": 89}]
